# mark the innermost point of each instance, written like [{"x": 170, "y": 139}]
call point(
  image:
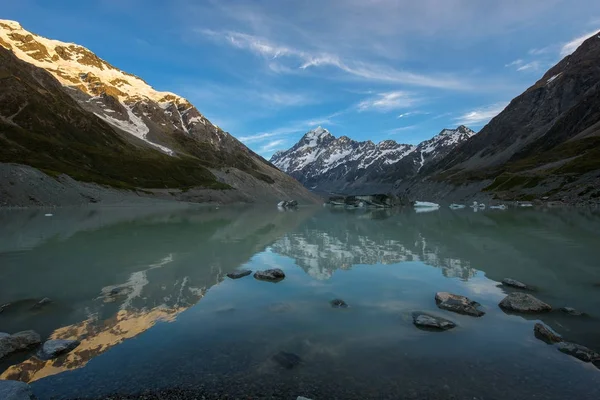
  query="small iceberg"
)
[
  {"x": 477, "y": 205},
  {"x": 426, "y": 204},
  {"x": 525, "y": 204},
  {"x": 48, "y": 215},
  {"x": 455, "y": 206},
  {"x": 420, "y": 210},
  {"x": 499, "y": 207}
]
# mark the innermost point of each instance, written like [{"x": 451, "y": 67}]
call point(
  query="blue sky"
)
[{"x": 267, "y": 71}]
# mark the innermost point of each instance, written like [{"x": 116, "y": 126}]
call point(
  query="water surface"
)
[{"x": 178, "y": 321}]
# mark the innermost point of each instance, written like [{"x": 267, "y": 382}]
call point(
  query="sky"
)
[{"x": 267, "y": 71}]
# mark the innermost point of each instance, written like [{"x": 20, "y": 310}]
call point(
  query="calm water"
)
[{"x": 178, "y": 321}]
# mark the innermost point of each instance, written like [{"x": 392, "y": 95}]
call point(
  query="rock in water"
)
[
  {"x": 430, "y": 322},
  {"x": 545, "y": 333},
  {"x": 19, "y": 341},
  {"x": 42, "y": 303},
  {"x": 287, "y": 204},
  {"x": 271, "y": 275},
  {"x": 239, "y": 274},
  {"x": 54, "y": 348},
  {"x": 516, "y": 284},
  {"x": 572, "y": 311},
  {"x": 338, "y": 303},
  {"x": 523, "y": 302},
  {"x": 15, "y": 390},
  {"x": 579, "y": 351},
  {"x": 287, "y": 360},
  {"x": 302, "y": 398},
  {"x": 458, "y": 304}
]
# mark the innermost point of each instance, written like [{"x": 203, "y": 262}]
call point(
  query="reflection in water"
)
[{"x": 113, "y": 275}]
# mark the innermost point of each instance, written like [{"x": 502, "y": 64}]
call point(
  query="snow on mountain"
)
[
  {"x": 123, "y": 100},
  {"x": 323, "y": 162}
]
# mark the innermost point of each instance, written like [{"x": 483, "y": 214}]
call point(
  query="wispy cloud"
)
[
  {"x": 272, "y": 146},
  {"x": 571, "y": 46},
  {"x": 520, "y": 65},
  {"x": 305, "y": 60},
  {"x": 480, "y": 115},
  {"x": 400, "y": 129},
  {"x": 515, "y": 63},
  {"x": 411, "y": 114},
  {"x": 388, "y": 101}
]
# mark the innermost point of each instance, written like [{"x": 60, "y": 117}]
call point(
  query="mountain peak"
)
[
  {"x": 318, "y": 132},
  {"x": 11, "y": 24}
]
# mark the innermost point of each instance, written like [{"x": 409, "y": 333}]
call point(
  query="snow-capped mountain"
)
[
  {"x": 90, "y": 108},
  {"x": 325, "y": 163}
]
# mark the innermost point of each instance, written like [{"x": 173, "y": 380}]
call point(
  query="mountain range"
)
[
  {"x": 63, "y": 110},
  {"x": 325, "y": 163},
  {"x": 545, "y": 145}
]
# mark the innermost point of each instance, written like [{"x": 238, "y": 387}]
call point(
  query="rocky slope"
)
[
  {"x": 328, "y": 164},
  {"x": 546, "y": 142},
  {"x": 64, "y": 110}
]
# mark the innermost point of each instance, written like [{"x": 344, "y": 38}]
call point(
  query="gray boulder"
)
[
  {"x": 579, "y": 351},
  {"x": 546, "y": 334},
  {"x": 15, "y": 390},
  {"x": 516, "y": 284},
  {"x": 572, "y": 311},
  {"x": 54, "y": 348},
  {"x": 19, "y": 341},
  {"x": 271, "y": 275},
  {"x": 338, "y": 303},
  {"x": 458, "y": 304},
  {"x": 239, "y": 274},
  {"x": 288, "y": 204},
  {"x": 524, "y": 303},
  {"x": 427, "y": 321}
]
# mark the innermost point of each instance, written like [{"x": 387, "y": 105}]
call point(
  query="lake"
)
[{"x": 145, "y": 291}]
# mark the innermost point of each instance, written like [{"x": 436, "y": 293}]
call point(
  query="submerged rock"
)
[
  {"x": 516, "y": 284},
  {"x": 272, "y": 275},
  {"x": 338, "y": 303},
  {"x": 287, "y": 360},
  {"x": 572, "y": 311},
  {"x": 239, "y": 274},
  {"x": 458, "y": 304},
  {"x": 15, "y": 390},
  {"x": 546, "y": 334},
  {"x": 427, "y": 321},
  {"x": 19, "y": 341},
  {"x": 54, "y": 348},
  {"x": 579, "y": 351},
  {"x": 523, "y": 302},
  {"x": 42, "y": 303}
]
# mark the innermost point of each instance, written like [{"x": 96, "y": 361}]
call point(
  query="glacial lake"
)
[{"x": 145, "y": 291}]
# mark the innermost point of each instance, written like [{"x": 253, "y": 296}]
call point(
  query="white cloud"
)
[
  {"x": 480, "y": 115},
  {"x": 272, "y": 146},
  {"x": 411, "y": 114},
  {"x": 305, "y": 60},
  {"x": 571, "y": 46},
  {"x": 388, "y": 101},
  {"x": 533, "y": 66},
  {"x": 514, "y": 63}
]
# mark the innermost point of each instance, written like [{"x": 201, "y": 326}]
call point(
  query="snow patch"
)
[{"x": 552, "y": 78}]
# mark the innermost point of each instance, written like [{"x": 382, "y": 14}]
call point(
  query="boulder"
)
[
  {"x": 43, "y": 302},
  {"x": 302, "y": 398},
  {"x": 19, "y": 341},
  {"x": 3, "y": 306},
  {"x": 572, "y": 311},
  {"x": 427, "y": 321},
  {"x": 287, "y": 204},
  {"x": 458, "y": 304},
  {"x": 239, "y": 274},
  {"x": 524, "y": 303},
  {"x": 15, "y": 390},
  {"x": 287, "y": 360},
  {"x": 579, "y": 351},
  {"x": 516, "y": 284},
  {"x": 338, "y": 303},
  {"x": 546, "y": 334},
  {"x": 272, "y": 275},
  {"x": 54, "y": 348}
]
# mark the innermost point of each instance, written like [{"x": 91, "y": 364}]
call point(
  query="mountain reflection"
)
[{"x": 342, "y": 238}]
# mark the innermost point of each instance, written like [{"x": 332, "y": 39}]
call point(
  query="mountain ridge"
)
[
  {"x": 323, "y": 162},
  {"x": 136, "y": 122}
]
